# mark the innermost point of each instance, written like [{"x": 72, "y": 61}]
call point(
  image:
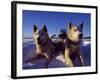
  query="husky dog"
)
[
  {"x": 73, "y": 42},
  {"x": 45, "y": 47}
]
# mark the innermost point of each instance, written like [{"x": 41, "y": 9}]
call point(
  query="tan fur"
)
[
  {"x": 72, "y": 49},
  {"x": 45, "y": 47}
]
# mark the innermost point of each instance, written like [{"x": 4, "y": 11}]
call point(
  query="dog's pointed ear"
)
[
  {"x": 69, "y": 25},
  {"x": 44, "y": 28},
  {"x": 35, "y": 28},
  {"x": 80, "y": 26}
]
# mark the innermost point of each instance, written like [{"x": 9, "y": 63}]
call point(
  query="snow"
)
[
  {"x": 86, "y": 43},
  {"x": 29, "y": 50}
]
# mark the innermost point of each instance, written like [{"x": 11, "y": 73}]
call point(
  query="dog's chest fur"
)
[
  {"x": 73, "y": 47},
  {"x": 48, "y": 47}
]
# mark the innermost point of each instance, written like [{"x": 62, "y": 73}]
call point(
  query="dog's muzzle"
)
[{"x": 39, "y": 40}]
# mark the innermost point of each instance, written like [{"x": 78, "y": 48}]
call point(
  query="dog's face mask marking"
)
[
  {"x": 40, "y": 36},
  {"x": 75, "y": 32}
]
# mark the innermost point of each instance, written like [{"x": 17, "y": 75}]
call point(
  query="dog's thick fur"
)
[
  {"x": 45, "y": 47},
  {"x": 73, "y": 42}
]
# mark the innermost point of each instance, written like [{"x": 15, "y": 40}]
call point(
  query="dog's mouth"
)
[
  {"x": 74, "y": 40},
  {"x": 40, "y": 41},
  {"x": 79, "y": 38}
]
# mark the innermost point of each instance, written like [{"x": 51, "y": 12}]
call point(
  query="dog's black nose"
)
[{"x": 80, "y": 36}]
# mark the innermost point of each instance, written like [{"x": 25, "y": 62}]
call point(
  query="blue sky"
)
[{"x": 54, "y": 21}]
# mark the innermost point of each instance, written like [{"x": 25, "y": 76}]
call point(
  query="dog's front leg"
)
[
  {"x": 81, "y": 61},
  {"x": 46, "y": 64},
  {"x": 48, "y": 60},
  {"x": 68, "y": 60},
  {"x": 80, "y": 57}
]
